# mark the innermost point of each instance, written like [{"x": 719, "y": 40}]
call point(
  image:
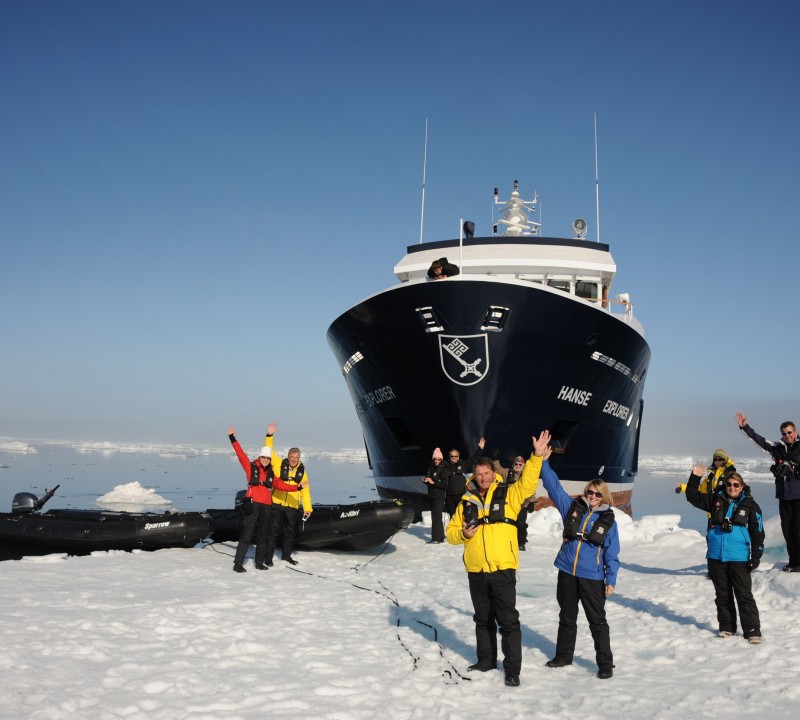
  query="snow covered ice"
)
[{"x": 349, "y": 636}]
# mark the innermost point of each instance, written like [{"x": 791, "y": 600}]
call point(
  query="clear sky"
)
[{"x": 190, "y": 192}]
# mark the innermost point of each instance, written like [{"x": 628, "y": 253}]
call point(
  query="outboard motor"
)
[{"x": 24, "y": 502}]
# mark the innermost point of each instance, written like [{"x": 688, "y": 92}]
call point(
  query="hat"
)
[
  {"x": 266, "y": 451},
  {"x": 519, "y": 459},
  {"x": 721, "y": 454},
  {"x": 437, "y": 455}
]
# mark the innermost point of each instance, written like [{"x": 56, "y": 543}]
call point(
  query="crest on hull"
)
[{"x": 465, "y": 358}]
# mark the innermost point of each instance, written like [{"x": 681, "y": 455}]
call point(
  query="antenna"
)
[
  {"x": 424, "y": 172},
  {"x": 596, "y": 179}
]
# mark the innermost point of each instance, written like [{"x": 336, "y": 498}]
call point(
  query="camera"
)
[
  {"x": 726, "y": 525},
  {"x": 471, "y": 515},
  {"x": 782, "y": 470}
]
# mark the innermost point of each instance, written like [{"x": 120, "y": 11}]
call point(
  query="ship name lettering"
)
[
  {"x": 616, "y": 410},
  {"x": 155, "y": 526},
  {"x": 376, "y": 397},
  {"x": 349, "y": 513},
  {"x": 570, "y": 394}
]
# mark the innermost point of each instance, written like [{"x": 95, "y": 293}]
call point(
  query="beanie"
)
[
  {"x": 266, "y": 451},
  {"x": 437, "y": 455}
]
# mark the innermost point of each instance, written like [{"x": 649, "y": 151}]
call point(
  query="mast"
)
[
  {"x": 596, "y": 179},
  {"x": 424, "y": 171}
]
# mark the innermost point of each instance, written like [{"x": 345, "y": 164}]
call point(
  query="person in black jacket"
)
[
  {"x": 457, "y": 479},
  {"x": 528, "y": 505},
  {"x": 441, "y": 269},
  {"x": 786, "y": 469},
  {"x": 735, "y": 542},
  {"x": 436, "y": 479}
]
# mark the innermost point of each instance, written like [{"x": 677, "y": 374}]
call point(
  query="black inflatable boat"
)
[
  {"x": 26, "y": 531},
  {"x": 340, "y": 527}
]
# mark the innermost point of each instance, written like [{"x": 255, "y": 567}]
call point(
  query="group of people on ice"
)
[
  {"x": 484, "y": 522},
  {"x": 484, "y": 518}
]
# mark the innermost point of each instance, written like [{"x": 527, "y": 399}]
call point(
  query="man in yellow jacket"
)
[
  {"x": 286, "y": 505},
  {"x": 485, "y": 524}
]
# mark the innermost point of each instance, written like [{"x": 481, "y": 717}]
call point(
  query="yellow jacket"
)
[
  {"x": 494, "y": 546},
  {"x": 716, "y": 475},
  {"x": 281, "y": 497}
]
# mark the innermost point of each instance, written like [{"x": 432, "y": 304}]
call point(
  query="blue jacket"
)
[
  {"x": 579, "y": 557},
  {"x": 736, "y": 532}
]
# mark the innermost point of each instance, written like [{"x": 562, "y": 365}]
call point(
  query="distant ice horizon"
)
[{"x": 755, "y": 468}]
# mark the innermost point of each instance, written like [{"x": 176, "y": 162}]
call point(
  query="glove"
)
[{"x": 753, "y": 564}]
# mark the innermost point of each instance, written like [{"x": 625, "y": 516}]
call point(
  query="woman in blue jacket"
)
[
  {"x": 587, "y": 563},
  {"x": 735, "y": 543}
]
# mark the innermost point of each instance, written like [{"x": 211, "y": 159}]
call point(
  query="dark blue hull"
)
[{"x": 445, "y": 376}]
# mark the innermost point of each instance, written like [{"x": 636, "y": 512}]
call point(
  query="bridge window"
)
[{"x": 585, "y": 289}]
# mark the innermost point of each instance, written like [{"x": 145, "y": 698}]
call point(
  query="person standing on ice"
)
[
  {"x": 286, "y": 505},
  {"x": 786, "y": 469},
  {"x": 437, "y": 478},
  {"x": 258, "y": 501},
  {"x": 484, "y": 523},
  {"x": 735, "y": 542},
  {"x": 587, "y": 562}
]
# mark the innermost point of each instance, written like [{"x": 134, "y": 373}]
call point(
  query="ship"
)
[{"x": 526, "y": 336}]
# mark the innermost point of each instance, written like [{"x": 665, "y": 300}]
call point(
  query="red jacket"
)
[{"x": 259, "y": 493}]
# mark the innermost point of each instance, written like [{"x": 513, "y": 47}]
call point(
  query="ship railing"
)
[{"x": 608, "y": 302}]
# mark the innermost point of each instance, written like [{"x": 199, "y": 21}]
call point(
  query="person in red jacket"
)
[{"x": 257, "y": 505}]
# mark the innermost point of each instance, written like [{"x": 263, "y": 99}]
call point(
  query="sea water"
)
[{"x": 198, "y": 479}]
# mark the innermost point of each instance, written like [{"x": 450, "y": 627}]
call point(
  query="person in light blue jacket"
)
[
  {"x": 587, "y": 562},
  {"x": 735, "y": 544}
]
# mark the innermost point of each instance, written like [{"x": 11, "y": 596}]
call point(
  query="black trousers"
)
[
  {"x": 592, "y": 595},
  {"x": 451, "y": 503},
  {"x": 284, "y": 519},
  {"x": 789, "y": 511},
  {"x": 494, "y": 598},
  {"x": 257, "y": 523},
  {"x": 731, "y": 579},
  {"x": 522, "y": 527},
  {"x": 437, "y": 522}
]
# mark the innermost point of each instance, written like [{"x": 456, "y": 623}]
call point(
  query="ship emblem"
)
[{"x": 465, "y": 358}]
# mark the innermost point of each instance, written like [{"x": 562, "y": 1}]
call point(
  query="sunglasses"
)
[
  {"x": 454, "y": 456},
  {"x": 788, "y": 432},
  {"x": 596, "y": 494},
  {"x": 733, "y": 485},
  {"x": 719, "y": 459},
  {"x": 518, "y": 464}
]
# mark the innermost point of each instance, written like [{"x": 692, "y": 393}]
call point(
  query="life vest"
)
[
  {"x": 497, "y": 510},
  {"x": 575, "y": 521},
  {"x": 739, "y": 516},
  {"x": 256, "y": 468},
  {"x": 298, "y": 476}
]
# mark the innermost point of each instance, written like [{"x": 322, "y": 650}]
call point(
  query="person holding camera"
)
[
  {"x": 735, "y": 544},
  {"x": 786, "y": 469},
  {"x": 484, "y": 523},
  {"x": 436, "y": 478}
]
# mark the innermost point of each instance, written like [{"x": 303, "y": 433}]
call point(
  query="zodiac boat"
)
[
  {"x": 339, "y": 527},
  {"x": 26, "y": 531}
]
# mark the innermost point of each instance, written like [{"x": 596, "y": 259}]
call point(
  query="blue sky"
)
[{"x": 190, "y": 192}]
